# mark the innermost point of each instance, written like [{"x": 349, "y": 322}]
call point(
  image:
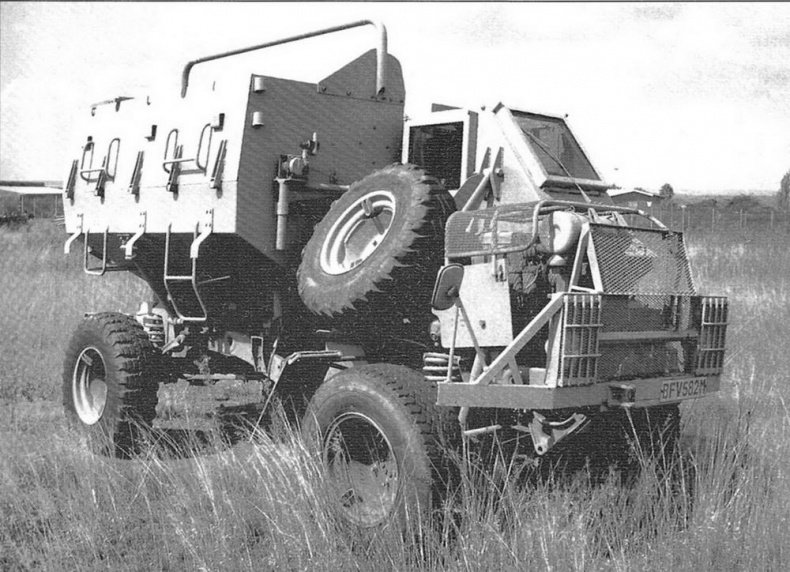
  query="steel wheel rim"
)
[
  {"x": 362, "y": 468},
  {"x": 89, "y": 386},
  {"x": 358, "y": 232}
]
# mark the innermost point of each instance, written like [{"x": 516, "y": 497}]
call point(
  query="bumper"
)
[{"x": 634, "y": 393}]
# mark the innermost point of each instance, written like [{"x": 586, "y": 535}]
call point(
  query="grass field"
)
[{"x": 259, "y": 504}]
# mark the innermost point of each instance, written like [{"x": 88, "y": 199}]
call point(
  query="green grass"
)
[{"x": 200, "y": 504}]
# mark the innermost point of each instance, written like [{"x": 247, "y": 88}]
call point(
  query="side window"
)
[{"x": 438, "y": 149}]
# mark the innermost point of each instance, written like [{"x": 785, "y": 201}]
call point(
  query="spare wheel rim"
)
[
  {"x": 358, "y": 232},
  {"x": 89, "y": 386},
  {"x": 362, "y": 468}
]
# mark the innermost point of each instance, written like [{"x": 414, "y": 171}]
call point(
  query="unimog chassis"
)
[{"x": 417, "y": 285}]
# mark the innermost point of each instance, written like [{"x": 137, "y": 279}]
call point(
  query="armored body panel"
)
[{"x": 208, "y": 161}]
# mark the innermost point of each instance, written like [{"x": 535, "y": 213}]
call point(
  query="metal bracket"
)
[
  {"x": 76, "y": 235},
  {"x": 100, "y": 180},
  {"x": 278, "y": 363},
  {"x": 129, "y": 246},
  {"x": 622, "y": 395},
  {"x": 473, "y": 433},
  {"x": 208, "y": 228},
  {"x": 219, "y": 166},
  {"x": 175, "y": 170},
  {"x": 546, "y": 434},
  {"x": 68, "y": 189},
  {"x": 134, "y": 183},
  {"x": 178, "y": 159},
  {"x": 497, "y": 174},
  {"x": 103, "y": 268},
  {"x": 191, "y": 278}
]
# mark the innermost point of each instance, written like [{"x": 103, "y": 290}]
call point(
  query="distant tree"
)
[
  {"x": 744, "y": 202},
  {"x": 666, "y": 192},
  {"x": 783, "y": 196}
]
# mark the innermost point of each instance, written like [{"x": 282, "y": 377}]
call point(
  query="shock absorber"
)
[
  {"x": 154, "y": 322},
  {"x": 435, "y": 367}
]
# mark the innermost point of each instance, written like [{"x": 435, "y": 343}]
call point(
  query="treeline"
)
[{"x": 720, "y": 213}]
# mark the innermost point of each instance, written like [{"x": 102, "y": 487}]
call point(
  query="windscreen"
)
[
  {"x": 438, "y": 148},
  {"x": 554, "y": 145}
]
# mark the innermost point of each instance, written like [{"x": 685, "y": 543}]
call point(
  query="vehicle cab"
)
[{"x": 531, "y": 156}]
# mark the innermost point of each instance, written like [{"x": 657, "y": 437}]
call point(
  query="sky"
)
[{"x": 694, "y": 95}]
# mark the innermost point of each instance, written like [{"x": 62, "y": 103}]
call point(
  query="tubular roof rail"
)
[{"x": 381, "y": 51}]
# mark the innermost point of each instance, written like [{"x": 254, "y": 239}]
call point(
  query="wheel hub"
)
[
  {"x": 358, "y": 232},
  {"x": 89, "y": 388},
  {"x": 362, "y": 468}
]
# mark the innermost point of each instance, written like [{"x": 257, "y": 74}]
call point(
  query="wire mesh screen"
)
[
  {"x": 641, "y": 261},
  {"x": 488, "y": 231},
  {"x": 640, "y": 360},
  {"x": 610, "y": 337},
  {"x": 636, "y": 316},
  {"x": 646, "y": 312}
]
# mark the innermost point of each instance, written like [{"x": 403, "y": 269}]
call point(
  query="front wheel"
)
[
  {"x": 377, "y": 432},
  {"x": 110, "y": 381}
]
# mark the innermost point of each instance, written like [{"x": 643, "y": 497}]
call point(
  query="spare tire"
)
[{"x": 379, "y": 246}]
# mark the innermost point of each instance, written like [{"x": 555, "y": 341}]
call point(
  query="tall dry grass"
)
[
  {"x": 202, "y": 504},
  {"x": 43, "y": 295}
]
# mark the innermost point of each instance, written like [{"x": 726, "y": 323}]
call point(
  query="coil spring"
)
[
  {"x": 154, "y": 326},
  {"x": 435, "y": 367}
]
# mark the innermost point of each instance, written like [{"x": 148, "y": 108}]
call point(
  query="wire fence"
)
[
  {"x": 694, "y": 217},
  {"x": 707, "y": 217},
  {"x": 15, "y": 208}
]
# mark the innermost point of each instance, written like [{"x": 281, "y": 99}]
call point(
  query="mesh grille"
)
[
  {"x": 639, "y": 360},
  {"x": 713, "y": 330},
  {"x": 641, "y": 261},
  {"x": 628, "y": 356},
  {"x": 610, "y": 337},
  {"x": 579, "y": 351},
  {"x": 482, "y": 232},
  {"x": 645, "y": 313}
]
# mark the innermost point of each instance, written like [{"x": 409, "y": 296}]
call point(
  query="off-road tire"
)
[
  {"x": 385, "y": 262},
  {"x": 110, "y": 382},
  {"x": 384, "y": 420}
]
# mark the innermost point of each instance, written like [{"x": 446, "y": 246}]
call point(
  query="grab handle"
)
[{"x": 381, "y": 51}]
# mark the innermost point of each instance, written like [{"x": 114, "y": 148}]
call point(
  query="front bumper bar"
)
[{"x": 633, "y": 393}]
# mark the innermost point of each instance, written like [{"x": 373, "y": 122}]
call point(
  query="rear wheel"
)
[
  {"x": 379, "y": 437},
  {"x": 110, "y": 382}
]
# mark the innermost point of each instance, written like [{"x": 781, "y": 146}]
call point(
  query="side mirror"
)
[{"x": 448, "y": 286}]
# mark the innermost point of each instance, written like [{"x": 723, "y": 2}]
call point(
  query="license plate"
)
[{"x": 679, "y": 389}]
